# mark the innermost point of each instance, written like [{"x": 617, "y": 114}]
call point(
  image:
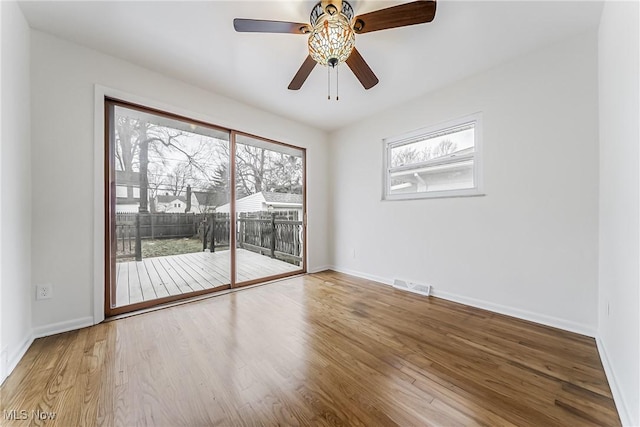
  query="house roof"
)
[
  {"x": 272, "y": 197},
  {"x": 254, "y": 202},
  {"x": 462, "y": 152},
  {"x": 164, "y": 198}
]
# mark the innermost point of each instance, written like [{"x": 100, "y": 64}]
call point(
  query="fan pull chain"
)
[
  {"x": 328, "y": 82},
  {"x": 337, "y": 89}
]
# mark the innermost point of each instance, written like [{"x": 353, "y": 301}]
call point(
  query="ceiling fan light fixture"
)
[
  {"x": 332, "y": 34},
  {"x": 332, "y": 39}
]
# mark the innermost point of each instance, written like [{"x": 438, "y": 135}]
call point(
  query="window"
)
[{"x": 439, "y": 161}]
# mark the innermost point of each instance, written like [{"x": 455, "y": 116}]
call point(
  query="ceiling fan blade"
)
[
  {"x": 361, "y": 69},
  {"x": 302, "y": 74},
  {"x": 417, "y": 12},
  {"x": 242, "y": 25}
]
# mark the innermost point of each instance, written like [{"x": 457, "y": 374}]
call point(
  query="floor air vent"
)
[{"x": 412, "y": 287}]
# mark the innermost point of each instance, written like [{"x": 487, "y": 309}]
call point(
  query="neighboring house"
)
[
  {"x": 127, "y": 191},
  {"x": 267, "y": 201},
  {"x": 128, "y": 197},
  {"x": 127, "y": 208},
  {"x": 439, "y": 174},
  {"x": 169, "y": 203}
]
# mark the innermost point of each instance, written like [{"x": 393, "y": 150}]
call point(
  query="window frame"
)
[{"x": 424, "y": 133}]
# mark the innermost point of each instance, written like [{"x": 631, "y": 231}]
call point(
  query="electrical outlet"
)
[{"x": 44, "y": 291}]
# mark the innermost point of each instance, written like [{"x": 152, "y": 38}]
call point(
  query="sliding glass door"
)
[
  {"x": 192, "y": 208},
  {"x": 269, "y": 209}
]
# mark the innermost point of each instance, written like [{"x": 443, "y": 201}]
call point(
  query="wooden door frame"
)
[
  {"x": 303, "y": 270},
  {"x": 110, "y": 200}
]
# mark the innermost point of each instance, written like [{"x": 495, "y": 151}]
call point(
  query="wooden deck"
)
[{"x": 159, "y": 277}]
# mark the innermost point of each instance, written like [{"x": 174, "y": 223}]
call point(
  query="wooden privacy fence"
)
[
  {"x": 131, "y": 228},
  {"x": 276, "y": 234},
  {"x": 216, "y": 230},
  {"x": 162, "y": 225},
  {"x": 125, "y": 240},
  {"x": 267, "y": 233}
]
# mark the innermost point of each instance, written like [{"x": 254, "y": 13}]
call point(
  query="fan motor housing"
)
[{"x": 318, "y": 11}]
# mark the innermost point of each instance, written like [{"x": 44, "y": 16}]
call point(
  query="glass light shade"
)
[{"x": 331, "y": 38}]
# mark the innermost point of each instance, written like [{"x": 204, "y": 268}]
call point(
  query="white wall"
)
[
  {"x": 619, "y": 322},
  {"x": 15, "y": 190},
  {"x": 527, "y": 248},
  {"x": 62, "y": 82}
]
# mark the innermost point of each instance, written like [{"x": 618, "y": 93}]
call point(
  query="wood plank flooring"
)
[
  {"x": 320, "y": 349},
  {"x": 154, "y": 278}
]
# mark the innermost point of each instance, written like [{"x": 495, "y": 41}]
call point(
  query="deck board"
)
[
  {"x": 220, "y": 269},
  {"x": 148, "y": 292},
  {"x": 122, "y": 291},
  {"x": 175, "y": 277},
  {"x": 135, "y": 289},
  {"x": 171, "y": 275},
  {"x": 184, "y": 281},
  {"x": 206, "y": 280},
  {"x": 156, "y": 281},
  {"x": 168, "y": 282}
]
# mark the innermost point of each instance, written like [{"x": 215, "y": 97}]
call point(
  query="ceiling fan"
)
[{"x": 332, "y": 31}]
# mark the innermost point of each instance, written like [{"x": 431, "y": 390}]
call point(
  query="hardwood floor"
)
[{"x": 321, "y": 349}]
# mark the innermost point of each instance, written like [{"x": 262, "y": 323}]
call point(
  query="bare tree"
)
[
  {"x": 285, "y": 174},
  {"x": 250, "y": 167},
  {"x": 126, "y": 147},
  {"x": 260, "y": 169},
  {"x": 141, "y": 145},
  {"x": 170, "y": 159},
  {"x": 178, "y": 179},
  {"x": 408, "y": 154},
  {"x": 446, "y": 146},
  {"x": 156, "y": 179},
  {"x": 250, "y": 171}
]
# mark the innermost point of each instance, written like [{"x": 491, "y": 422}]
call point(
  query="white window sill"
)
[{"x": 433, "y": 195}]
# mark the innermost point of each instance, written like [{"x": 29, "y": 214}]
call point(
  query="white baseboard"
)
[
  {"x": 554, "y": 322},
  {"x": 378, "y": 279},
  {"x": 319, "y": 269},
  {"x": 14, "y": 358},
  {"x": 618, "y": 397},
  {"x": 60, "y": 327},
  {"x": 39, "y": 332},
  {"x": 542, "y": 319}
]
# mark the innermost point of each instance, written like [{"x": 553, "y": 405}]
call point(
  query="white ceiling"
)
[{"x": 195, "y": 42}]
